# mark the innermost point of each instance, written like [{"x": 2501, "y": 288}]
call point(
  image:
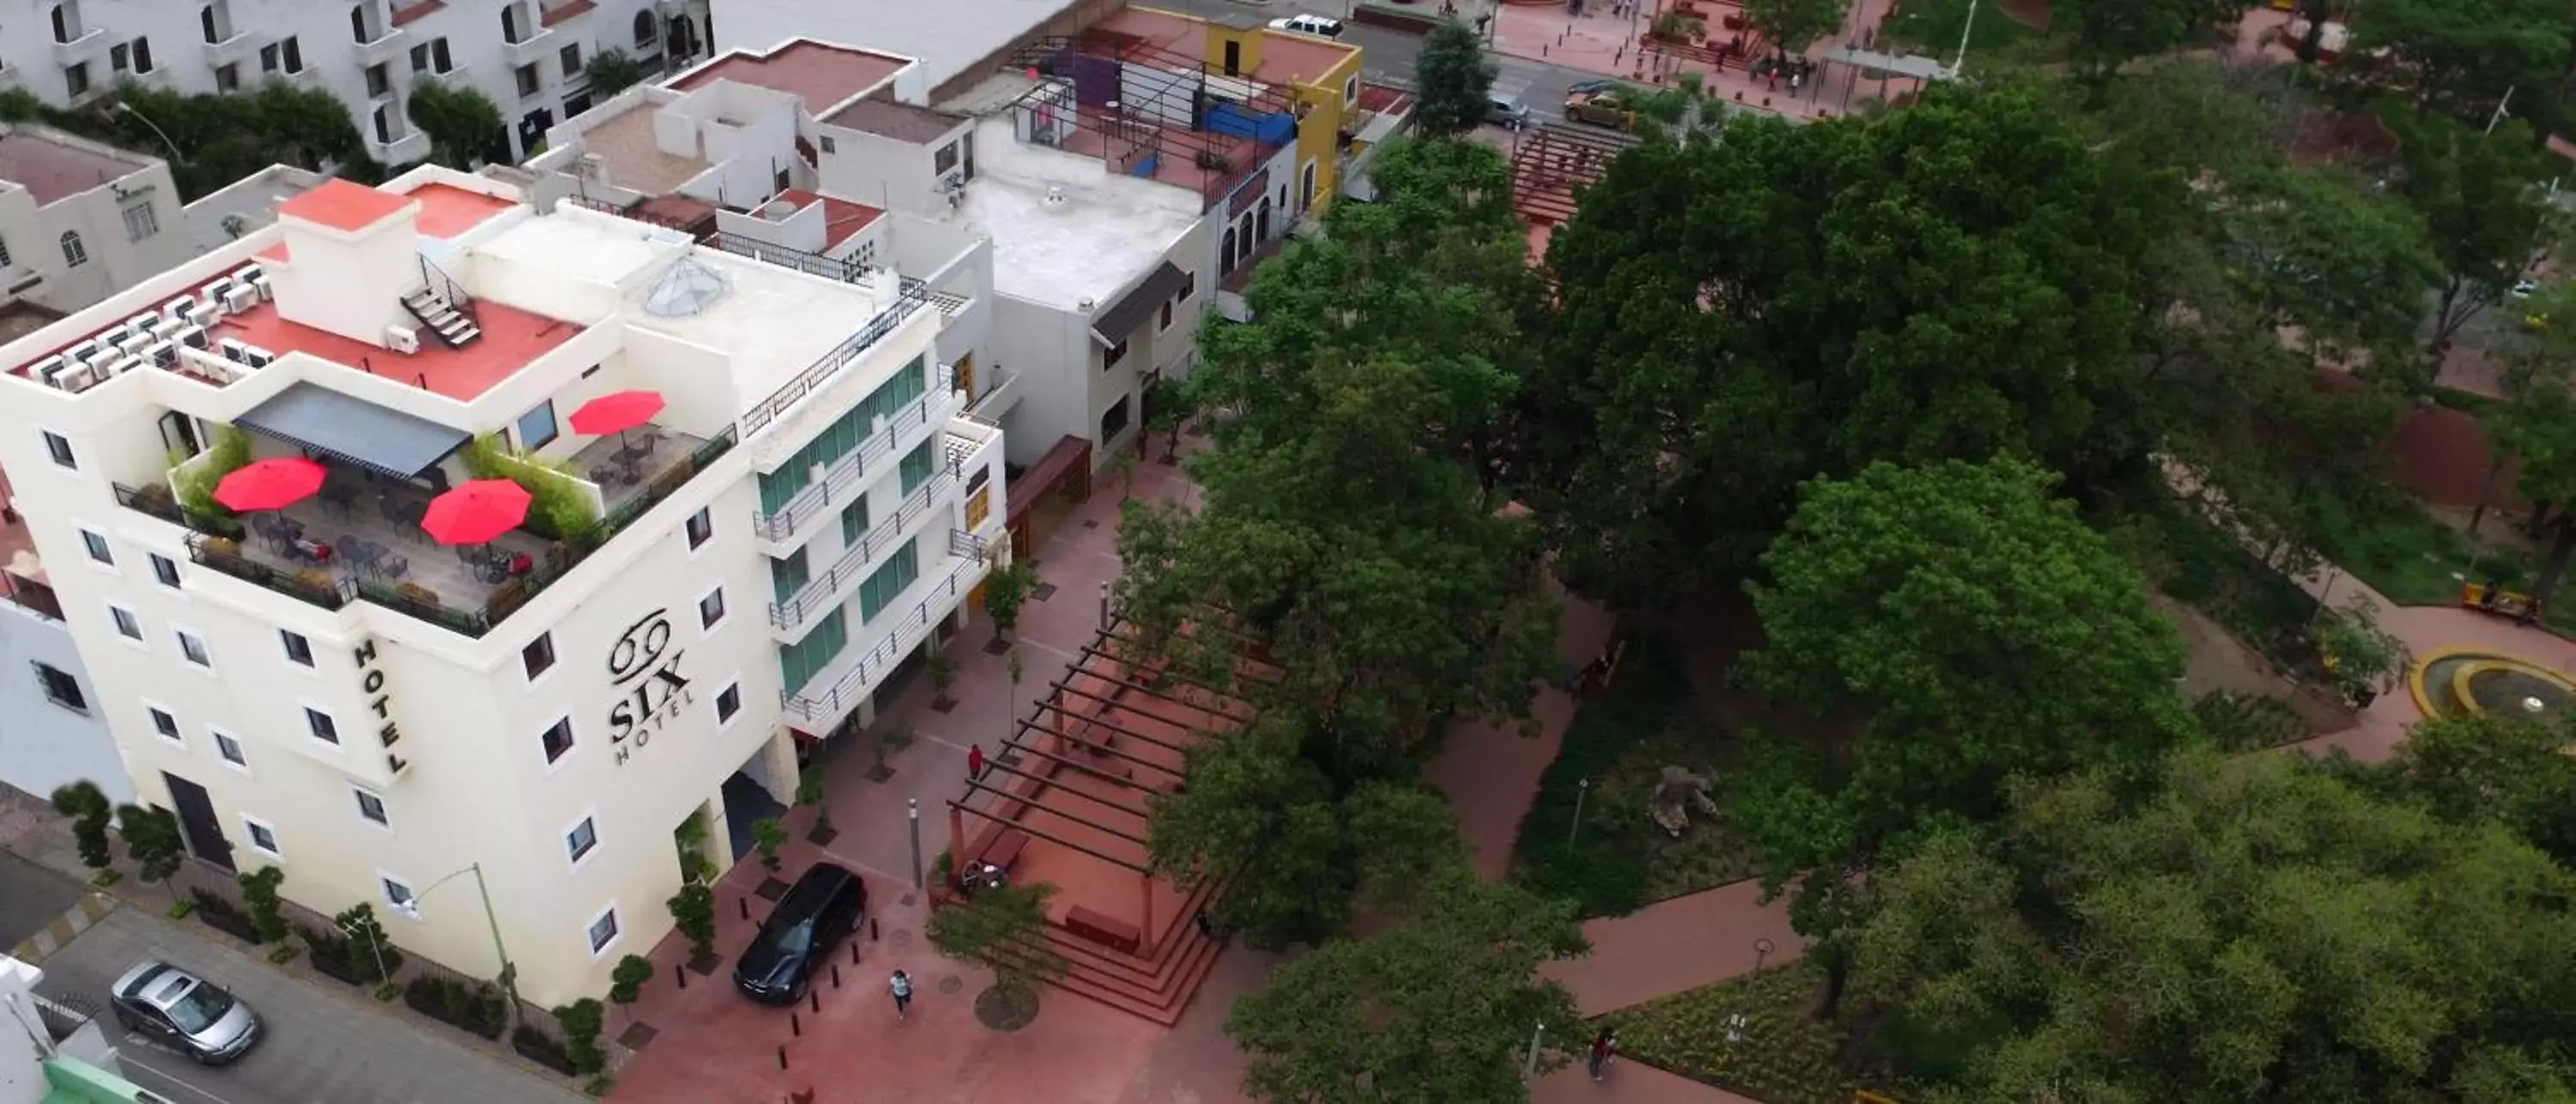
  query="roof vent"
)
[
  {"x": 687, "y": 289},
  {"x": 777, "y": 210},
  {"x": 1055, "y": 195}
]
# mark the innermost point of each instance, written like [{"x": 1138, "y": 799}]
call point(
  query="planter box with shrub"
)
[
  {"x": 476, "y": 1007},
  {"x": 221, "y": 915},
  {"x": 543, "y": 1049}
]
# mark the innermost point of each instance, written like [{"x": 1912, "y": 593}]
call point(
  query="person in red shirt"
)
[{"x": 975, "y": 761}]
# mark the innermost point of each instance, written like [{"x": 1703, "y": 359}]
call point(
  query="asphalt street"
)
[
  {"x": 30, "y": 898},
  {"x": 323, "y": 1047},
  {"x": 1389, "y": 56}
]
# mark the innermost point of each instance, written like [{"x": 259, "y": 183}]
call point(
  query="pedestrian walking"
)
[
  {"x": 1604, "y": 1045},
  {"x": 902, "y": 987},
  {"x": 974, "y": 762}
]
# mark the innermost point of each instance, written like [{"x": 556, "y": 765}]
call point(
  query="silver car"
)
[{"x": 178, "y": 1009}]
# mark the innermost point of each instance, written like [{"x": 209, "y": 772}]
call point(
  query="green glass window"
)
[
  {"x": 854, "y": 521},
  {"x": 915, "y": 467},
  {"x": 887, "y": 582},
  {"x": 843, "y": 436},
  {"x": 799, "y": 662},
  {"x": 787, "y": 576}
]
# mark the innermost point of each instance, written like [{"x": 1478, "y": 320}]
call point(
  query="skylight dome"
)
[{"x": 688, "y": 288}]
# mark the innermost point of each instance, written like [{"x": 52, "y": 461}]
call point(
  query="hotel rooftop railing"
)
[{"x": 911, "y": 296}]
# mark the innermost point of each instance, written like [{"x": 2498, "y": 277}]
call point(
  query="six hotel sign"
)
[{"x": 646, "y": 669}]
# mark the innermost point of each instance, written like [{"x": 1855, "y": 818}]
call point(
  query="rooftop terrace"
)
[
  {"x": 825, "y": 76},
  {"x": 1065, "y": 229},
  {"x": 1285, "y": 58}
]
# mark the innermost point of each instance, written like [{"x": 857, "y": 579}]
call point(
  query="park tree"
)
[
  {"x": 1978, "y": 629},
  {"x": 1350, "y": 526},
  {"x": 2538, "y": 427},
  {"x": 1790, "y": 26},
  {"x": 2251, "y": 929},
  {"x": 2475, "y": 194},
  {"x": 2463, "y": 57},
  {"x": 1452, "y": 78},
  {"x": 2109, "y": 33},
  {"x": 152, "y": 838},
  {"x": 1003, "y": 929},
  {"x": 2318, "y": 249},
  {"x": 1436, "y": 1008},
  {"x": 2494, "y": 768},
  {"x": 1735, "y": 317},
  {"x": 462, "y": 123},
  {"x": 611, "y": 71}
]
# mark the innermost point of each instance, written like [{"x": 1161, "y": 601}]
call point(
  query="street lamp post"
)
[
  {"x": 127, "y": 110},
  {"x": 509, "y": 974},
  {"x": 375, "y": 945}
]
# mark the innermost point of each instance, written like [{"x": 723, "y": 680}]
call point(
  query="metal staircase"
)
[{"x": 442, "y": 306}]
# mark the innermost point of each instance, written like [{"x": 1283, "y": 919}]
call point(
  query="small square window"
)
[
  {"x": 1189, "y": 287},
  {"x": 582, "y": 840},
  {"x": 321, "y": 725},
  {"x": 399, "y": 894},
  {"x": 230, "y": 749},
  {"x": 61, "y": 688},
  {"x": 193, "y": 648},
  {"x": 268, "y": 57},
  {"x": 60, "y": 448},
  {"x": 1166, "y": 322},
  {"x": 165, "y": 569},
  {"x": 420, "y": 58},
  {"x": 537, "y": 427},
  {"x": 539, "y": 656},
  {"x": 702, "y": 528},
  {"x": 96, "y": 544},
  {"x": 829, "y": 146},
  {"x": 299, "y": 651},
  {"x": 372, "y": 807},
  {"x": 729, "y": 702},
  {"x": 127, "y": 625},
  {"x": 557, "y": 739},
  {"x": 76, "y": 78},
  {"x": 228, "y": 77},
  {"x": 854, "y": 521},
  {"x": 711, "y": 608},
  {"x": 263, "y": 838},
  {"x": 603, "y": 931},
  {"x": 570, "y": 56},
  {"x": 380, "y": 80},
  {"x": 529, "y": 81},
  {"x": 164, "y": 725}
]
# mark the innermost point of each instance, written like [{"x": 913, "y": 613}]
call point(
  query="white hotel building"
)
[{"x": 809, "y": 509}]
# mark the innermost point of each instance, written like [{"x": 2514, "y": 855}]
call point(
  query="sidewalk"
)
[{"x": 1602, "y": 43}]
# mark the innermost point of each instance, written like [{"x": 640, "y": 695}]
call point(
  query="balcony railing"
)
[
  {"x": 911, "y": 296},
  {"x": 844, "y": 475},
  {"x": 819, "y": 710},
  {"x": 821, "y": 593},
  {"x": 847, "y": 270},
  {"x": 213, "y": 543}
]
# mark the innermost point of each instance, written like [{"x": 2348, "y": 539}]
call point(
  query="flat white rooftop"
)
[
  {"x": 1065, "y": 228},
  {"x": 948, "y": 36}
]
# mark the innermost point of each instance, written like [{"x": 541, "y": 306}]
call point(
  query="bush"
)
[
  {"x": 259, "y": 890},
  {"x": 693, "y": 911},
  {"x": 224, "y": 916},
  {"x": 558, "y": 509},
  {"x": 543, "y": 1049},
  {"x": 329, "y": 953},
  {"x": 626, "y": 982},
  {"x": 2238, "y": 721},
  {"x": 90, "y": 812},
  {"x": 1605, "y": 877},
  {"x": 581, "y": 1022},
  {"x": 476, "y": 1006}
]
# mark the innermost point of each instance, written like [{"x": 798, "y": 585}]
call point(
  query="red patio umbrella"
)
[
  {"x": 476, "y": 512},
  {"x": 272, "y": 484},
  {"x": 616, "y": 412}
]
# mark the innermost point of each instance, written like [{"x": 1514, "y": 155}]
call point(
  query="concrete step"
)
[{"x": 1164, "y": 1007}]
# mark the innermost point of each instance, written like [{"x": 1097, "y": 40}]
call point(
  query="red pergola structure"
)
[
  {"x": 1554, "y": 163},
  {"x": 1067, "y": 801}
]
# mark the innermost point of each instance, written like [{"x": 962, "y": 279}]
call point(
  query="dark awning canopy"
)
[
  {"x": 379, "y": 439},
  {"x": 1130, "y": 311}
]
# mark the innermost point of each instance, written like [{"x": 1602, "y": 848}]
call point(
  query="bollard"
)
[
  {"x": 795, "y": 1026},
  {"x": 745, "y": 906},
  {"x": 854, "y": 953},
  {"x": 814, "y": 997},
  {"x": 836, "y": 975},
  {"x": 680, "y": 971},
  {"x": 782, "y": 1056},
  {"x": 872, "y": 933}
]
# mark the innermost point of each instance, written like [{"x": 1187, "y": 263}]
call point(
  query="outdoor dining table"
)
[{"x": 364, "y": 554}]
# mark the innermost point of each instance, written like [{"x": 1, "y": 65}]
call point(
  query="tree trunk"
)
[
  {"x": 1837, "y": 978},
  {"x": 2556, "y": 566},
  {"x": 2486, "y": 491},
  {"x": 2539, "y": 522}
]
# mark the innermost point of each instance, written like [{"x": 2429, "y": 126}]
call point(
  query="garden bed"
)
[
  {"x": 2190, "y": 560},
  {"x": 544, "y": 1050},
  {"x": 1782, "y": 1053},
  {"x": 223, "y": 916},
  {"x": 475, "y": 1007}
]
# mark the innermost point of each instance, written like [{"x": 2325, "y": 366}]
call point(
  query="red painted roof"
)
[
  {"x": 344, "y": 205},
  {"x": 447, "y": 211},
  {"x": 842, "y": 219},
  {"x": 823, "y": 76}
]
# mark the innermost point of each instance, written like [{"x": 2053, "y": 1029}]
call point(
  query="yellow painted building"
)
[{"x": 1321, "y": 75}]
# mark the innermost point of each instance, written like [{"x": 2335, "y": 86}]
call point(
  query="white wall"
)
[
  {"x": 1052, "y": 353},
  {"x": 43, "y": 745}
]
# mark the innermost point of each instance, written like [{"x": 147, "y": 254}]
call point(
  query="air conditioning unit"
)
[
  {"x": 123, "y": 366},
  {"x": 242, "y": 297},
  {"x": 47, "y": 369},
  {"x": 78, "y": 379},
  {"x": 402, "y": 339},
  {"x": 111, "y": 336},
  {"x": 257, "y": 357},
  {"x": 235, "y": 350},
  {"x": 133, "y": 344},
  {"x": 162, "y": 354},
  {"x": 142, "y": 323},
  {"x": 180, "y": 308},
  {"x": 204, "y": 315},
  {"x": 253, "y": 277},
  {"x": 81, "y": 351},
  {"x": 216, "y": 289},
  {"x": 195, "y": 337}
]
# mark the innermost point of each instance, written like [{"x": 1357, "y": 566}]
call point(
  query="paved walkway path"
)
[
  {"x": 1603, "y": 43},
  {"x": 2424, "y": 629},
  {"x": 1672, "y": 946},
  {"x": 1628, "y": 1083}
]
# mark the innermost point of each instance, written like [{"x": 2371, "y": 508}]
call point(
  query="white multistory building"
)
[
  {"x": 326, "y": 688},
  {"x": 527, "y": 55},
  {"x": 80, "y": 220}
]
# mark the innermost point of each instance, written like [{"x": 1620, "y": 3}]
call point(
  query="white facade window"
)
[
  {"x": 127, "y": 624},
  {"x": 263, "y": 837},
  {"x": 603, "y": 932},
  {"x": 539, "y": 656},
  {"x": 321, "y": 725},
  {"x": 192, "y": 647},
  {"x": 95, "y": 543},
  {"x": 141, "y": 221},
  {"x": 701, "y": 528},
  {"x": 711, "y": 609},
  {"x": 74, "y": 253},
  {"x": 581, "y": 840},
  {"x": 61, "y": 688},
  {"x": 371, "y": 806},
  {"x": 830, "y": 146},
  {"x": 165, "y": 724},
  {"x": 165, "y": 569},
  {"x": 398, "y": 893},
  {"x": 729, "y": 703},
  {"x": 230, "y": 748},
  {"x": 5, "y": 260},
  {"x": 60, "y": 449},
  {"x": 299, "y": 651},
  {"x": 557, "y": 739},
  {"x": 1350, "y": 91}
]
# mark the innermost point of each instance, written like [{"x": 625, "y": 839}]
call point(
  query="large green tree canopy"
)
[
  {"x": 2256, "y": 930},
  {"x": 1742, "y": 314}
]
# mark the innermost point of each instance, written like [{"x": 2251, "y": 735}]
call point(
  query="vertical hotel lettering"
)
[
  {"x": 654, "y": 691},
  {"x": 371, "y": 682}
]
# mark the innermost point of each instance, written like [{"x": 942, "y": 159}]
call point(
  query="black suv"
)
[{"x": 818, "y": 912}]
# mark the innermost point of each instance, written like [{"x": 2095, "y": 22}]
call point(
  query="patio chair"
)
[{"x": 392, "y": 567}]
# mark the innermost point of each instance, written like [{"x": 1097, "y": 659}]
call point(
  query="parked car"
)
[
  {"x": 1506, "y": 108},
  {"x": 187, "y": 1013},
  {"x": 815, "y": 915},
  {"x": 2524, "y": 288},
  {"x": 1610, "y": 107},
  {"x": 1316, "y": 25},
  {"x": 1597, "y": 84}
]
